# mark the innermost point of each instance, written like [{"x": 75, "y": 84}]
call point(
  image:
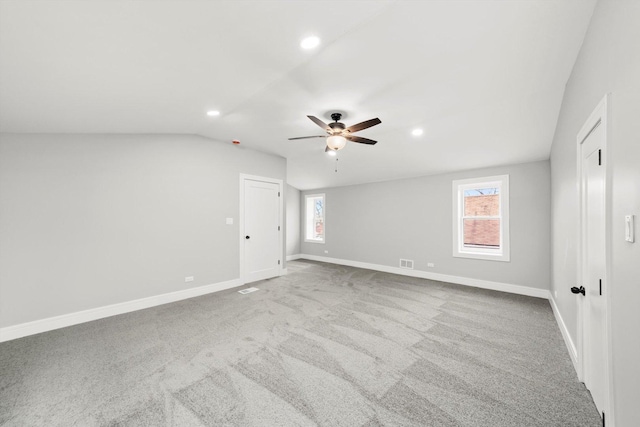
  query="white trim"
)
[
  {"x": 599, "y": 117},
  {"x": 467, "y": 281},
  {"x": 294, "y": 257},
  {"x": 279, "y": 182},
  {"x": 284, "y": 272},
  {"x": 573, "y": 352},
  {"x": 43, "y": 325},
  {"x": 324, "y": 218},
  {"x": 458, "y": 186}
]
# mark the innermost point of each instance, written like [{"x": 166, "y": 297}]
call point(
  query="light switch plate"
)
[
  {"x": 629, "y": 226},
  {"x": 229, "y": 221}
]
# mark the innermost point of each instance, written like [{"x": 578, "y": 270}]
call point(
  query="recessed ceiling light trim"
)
[
  {"x": 213, "y": 113},
  {"x": 417, "y": 132},
  {"x": 310, "y": 42}
]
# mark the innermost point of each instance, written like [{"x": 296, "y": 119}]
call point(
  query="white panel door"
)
[
  {"x": 261, "y": 238},
  {"x": 593, "y": 267}
]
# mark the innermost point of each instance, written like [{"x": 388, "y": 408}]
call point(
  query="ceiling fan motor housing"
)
[{"x": 336, "y": 127}]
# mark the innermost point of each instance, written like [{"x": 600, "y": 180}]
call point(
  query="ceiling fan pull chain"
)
[{"x": 336, "y": 163}]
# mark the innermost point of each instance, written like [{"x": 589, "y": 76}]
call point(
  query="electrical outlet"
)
[
  {"x": 555, "y": 294},
  {"x": 188, "y": 279},
  {"x": 326, "y": 252},
  {"x": 229, "y": 221},
  {"x": 430, "y": 265}
]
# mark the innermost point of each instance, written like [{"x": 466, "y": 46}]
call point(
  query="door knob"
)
[
  {"x": 579, "y": 290},
  {"x": 247, "y": 237}
]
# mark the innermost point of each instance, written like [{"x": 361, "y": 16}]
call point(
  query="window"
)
[
  {"x": 481, "y": 218},
  {"x": 314, "y": 218}
]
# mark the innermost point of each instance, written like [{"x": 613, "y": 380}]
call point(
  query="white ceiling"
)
[{"x": 484, "y": 79}]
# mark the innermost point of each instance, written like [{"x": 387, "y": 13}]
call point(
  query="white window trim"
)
[
  {"x": 324, "y": 212},
  {"x": 459, "y": 250}
]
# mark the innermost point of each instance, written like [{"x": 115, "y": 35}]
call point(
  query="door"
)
[
  {"x": 260, "y": 243},
  {"x": 594, "y": 339}
]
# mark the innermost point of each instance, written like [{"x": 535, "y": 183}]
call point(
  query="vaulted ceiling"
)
[{"x": 483, "y": 79}]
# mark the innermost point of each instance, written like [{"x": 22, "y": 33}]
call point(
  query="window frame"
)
[
  {"x": 307, "y": 218},
  {"x": 459, "y": 186}
]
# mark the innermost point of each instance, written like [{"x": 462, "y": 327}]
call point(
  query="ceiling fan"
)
[{"x": 338, "y": 134}]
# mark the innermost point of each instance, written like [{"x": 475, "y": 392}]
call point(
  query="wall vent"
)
[
  {"x": 248, "y": 290},
  {"x": 406, "y": 263}
]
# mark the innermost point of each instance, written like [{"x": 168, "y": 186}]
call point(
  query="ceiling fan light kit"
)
[
  {"x": 336, "y": 142},
  {"x": 338, "y": 134}
]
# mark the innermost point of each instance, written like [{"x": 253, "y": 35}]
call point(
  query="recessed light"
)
[
  {"x": 310, "y": 42},
  {"x": 417, "y": 132},
  {"x": 213, "y": 113}
]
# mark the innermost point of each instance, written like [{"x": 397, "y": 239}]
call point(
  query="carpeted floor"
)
[{"x": 325, "y": 345}]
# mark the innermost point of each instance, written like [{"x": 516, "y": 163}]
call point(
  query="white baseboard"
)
[
  {"x": 48, "y": 324},
  {"x": 573, "y": 352},
  {"x": 467, "y": 281},
  {"x": 43, "y": 325}
]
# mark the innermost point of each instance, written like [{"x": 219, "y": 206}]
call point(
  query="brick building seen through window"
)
[{"x": 481, "y": 232}]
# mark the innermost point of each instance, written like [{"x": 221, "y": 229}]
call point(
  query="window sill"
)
[
  {"x": 483, "y": 256},
  {"x": 314, "y": 241}
]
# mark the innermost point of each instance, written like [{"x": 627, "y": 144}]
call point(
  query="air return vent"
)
[
  {"x": 248, "y": 290},
  {"x": 406, "y": 263}
]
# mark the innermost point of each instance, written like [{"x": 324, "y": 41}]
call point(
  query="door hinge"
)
[
  {"x": 278, "y": 262},
  {"x": 278, "y": 228},
  {"x": 278, "y": 194},
  {"x": 599, "y": 157},
  {"x": 600, "y": 286}
]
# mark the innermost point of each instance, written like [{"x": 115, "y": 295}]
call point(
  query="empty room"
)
[{"x": 320, "y": 213}]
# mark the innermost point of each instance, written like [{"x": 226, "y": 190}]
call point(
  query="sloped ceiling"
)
[{"x": 484, "y": 79}]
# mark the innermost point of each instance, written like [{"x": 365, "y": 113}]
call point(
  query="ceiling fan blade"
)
[
  {"x": 363, "y": 125},
  {"x": 320, "y": 123},
  {"x": 361, "y": 140},
  {"x": 307, "y": 137}
]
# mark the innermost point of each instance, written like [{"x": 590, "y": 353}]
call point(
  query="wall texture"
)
[
  {"x": 89, "y": 220},
  {"x": 293, "y": 220},
  {"x": 609, "y": 62},
  {"x": 382, "y": 222}
]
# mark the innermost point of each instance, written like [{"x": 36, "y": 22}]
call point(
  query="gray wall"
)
[
  {"x": 89, "y": 220},
  {"x": 382, "y": 222},
  {"x": 293, "y": 220},
  {"x": 609, "y": 61}
]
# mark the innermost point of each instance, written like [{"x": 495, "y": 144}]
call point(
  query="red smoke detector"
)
[{"x": 236, "y": 142}]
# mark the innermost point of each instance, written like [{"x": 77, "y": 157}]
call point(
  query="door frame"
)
[
  {"x": 243, "y": 178},
  {"x": 599, "y": 117}
]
